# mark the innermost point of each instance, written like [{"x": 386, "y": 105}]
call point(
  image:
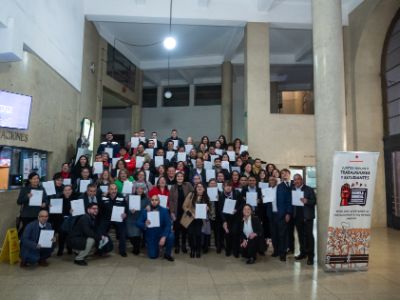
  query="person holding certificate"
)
[
  {"x": 177, "y": 196},
  {"x": 83, "y": 162},
  {"x": 216, "y": 222},
  {"x": 284, "y": 212},
  {"x": 175, "y": 140},
  {"x": 193, "y": 221},
  {"x": 133, "y": 232},
  {"x": 109, "y": 145},
  {"x": 34, "y": 247},
  {"x": 58, "y": 219},
  {"x": 161, "y": 188},
  {"x": 84, "y": 180},
  {"x": 231, "y": 220},
  {"x": 251, "y": 234},
  {"x": 114, "y": 202},
  {"x": 31, "y": 198},
  {"x": 252, "y": 192},
  {"x": 304, "y": 218},
  {"x": 156, "y": 225},
  {"x": 122, "y": 177}
]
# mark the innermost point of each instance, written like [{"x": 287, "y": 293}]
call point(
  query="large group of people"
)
[{"x": 167, "y": 197}]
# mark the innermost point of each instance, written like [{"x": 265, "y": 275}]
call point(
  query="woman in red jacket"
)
[{"x": 160, "y": 189}]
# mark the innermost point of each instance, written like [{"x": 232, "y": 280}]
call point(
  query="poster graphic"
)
[{"x": 352, "y": 195}]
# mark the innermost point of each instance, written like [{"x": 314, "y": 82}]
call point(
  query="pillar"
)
[
  {"x": 330, "y": 118},
  {"x": 226, "y": 100},
  {"x": 256, "y": 85},
  {"x": 137, "y": 107}
]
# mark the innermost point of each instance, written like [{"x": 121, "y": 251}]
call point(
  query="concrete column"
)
[
  {"x": 137, "y": 107},
  {"x": 256, "y": 85},
  {"x": 330, "y": 118},
  {"x": 226, "y": 100}
]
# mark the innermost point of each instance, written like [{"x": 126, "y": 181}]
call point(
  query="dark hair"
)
[
  {"x": 109, "y": 132},
  {"x": 31, "y": 175},
  {"x": 203, "y": 197},
  {"x": 91, "y": 185},
  {"x": 159, "y": 178},
  {"x": 248, "y": 205},
  {"x": 57, "y": 176},
  {"x": 90, "y": 205},
  {"x": 285, "y": 170}
]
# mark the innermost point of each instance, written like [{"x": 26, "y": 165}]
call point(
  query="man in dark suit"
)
[
  {"x": 304, "y": 219},
  {"x": 174, "y": 137},
  {"x": 199, "y": 170},
  {"x": 284, "y": 213},
  {"x": 31, "y": 251}
]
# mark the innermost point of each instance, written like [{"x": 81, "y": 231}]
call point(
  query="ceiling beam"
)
[
  {"x": 186, "y": 75},
  {"x": 236, "y": 37},
  {"x": 303, "y": 52}
]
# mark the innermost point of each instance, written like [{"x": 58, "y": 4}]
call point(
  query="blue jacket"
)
[
  {"x": 284, "y": 200},
  {"x": 155, "y": 232},
  {"x": 30, "y": 240},
  {"x": 114, "y": 145}
]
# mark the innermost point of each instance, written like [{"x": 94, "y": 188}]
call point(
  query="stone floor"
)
[{"x": 210, "y": 277}]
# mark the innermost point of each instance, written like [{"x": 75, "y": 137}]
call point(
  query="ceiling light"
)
[
  {"x": 169, "y": 43},
  {"x": 168, "y": 94}
]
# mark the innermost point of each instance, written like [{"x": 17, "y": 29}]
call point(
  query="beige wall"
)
[
  {"x": 364, "y": 39},
  {"x": 57, "y": 110},
  {"x": 277, "y": 138}
]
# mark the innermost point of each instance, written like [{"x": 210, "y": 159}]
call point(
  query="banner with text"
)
[{"x": 352, "y": 197}]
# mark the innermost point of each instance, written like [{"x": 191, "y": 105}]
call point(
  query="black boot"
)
[{"x": 192, "y": 253}]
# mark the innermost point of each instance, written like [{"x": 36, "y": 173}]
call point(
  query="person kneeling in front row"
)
[
  {"x": 157, "y": 235},
  {"x": 31, "y": 251},
  {"x": 84, "y": 236},
  {"x": 251, "y": 231}
]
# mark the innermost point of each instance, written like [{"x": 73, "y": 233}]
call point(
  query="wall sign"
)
[{"x": 13, "y": 135}]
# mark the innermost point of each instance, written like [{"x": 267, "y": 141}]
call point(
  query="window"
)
[
  {"x": 292, "y": 102},
  {"x": 120, "y": 68},
  {"x": 180, "y": 96},
  {"x": 149, "y": 97},
  {"x": 208, "y": 95}
]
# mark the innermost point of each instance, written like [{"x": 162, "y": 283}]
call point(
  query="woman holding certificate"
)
[
  {"x": 196, "y": 210},
  {"x": 31, "y": 198},
  {"x": 177, "y": 196},
  {"x": 251, "y": 233}
]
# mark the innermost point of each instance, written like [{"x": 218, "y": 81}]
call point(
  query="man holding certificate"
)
[
  {"x": 304, "y": 200},
  {"x": 156, "y": 224},
  {"x": 231, "y": 206},
  {"x": 37, "y": 241},
  {"x": 113, "y": 212}
]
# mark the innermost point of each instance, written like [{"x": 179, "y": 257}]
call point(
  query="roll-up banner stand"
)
[{"x": 352, "y": 198}]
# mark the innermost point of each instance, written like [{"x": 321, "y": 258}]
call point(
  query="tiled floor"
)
[{"x": 210, "y": 277}]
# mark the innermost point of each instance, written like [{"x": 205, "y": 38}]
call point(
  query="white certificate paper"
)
[
  {"x": 67, "y": 181},
  {"x": 104, "y": 189},
  {"x": 150, "y": 152},
  {"x": 201, "y": 211},
  {"x": 188, "y": 148},
  {"x": 163, "y": 200},
  {"x": 78, "y": 207},
  {"x": 134, "y": 142},
  {"x": 117, "y": 211},
  {"x": 229, "y": 206},
  {"x": 243, "y": 148},
  {"x": 127, "y": 187},
  {"x": 56, "y": 205},
  {"x": 296, "y": 196},
  {"x": 225, "y": 165},
  {"x": 110, "y": 151},
  {"x": 170, "y": 155},
  {"x": 219, "y": 151},
  {"x": 212, "y": 193},
  {"x": 139, "y": 162},
  {"x": 45, "y": 238},
  {"x": 263, "y": 185},
  {"x": 134, "y": 202},
  {"x": 83, "y": 185},
  {"x": 114, "y": 162},
  {"x": 158, "y": 161},
  {"x": 210, "y": 174},
  {"x": 182, "y": 156},
  {"x": 49, "y": 187},
  {"x": 154, "y": 218},
  {"x": 176, "y": 143},
  {"x": 97, "y": 167},
  {"x": 36, "y": 199},
  {"x": 232, "y": 155},
  {"x": 269, "y": 195},
  {"x": 220, "y": 186},
  {"x": 251, "y": 198},
  {"x": 208, "y": 165}
]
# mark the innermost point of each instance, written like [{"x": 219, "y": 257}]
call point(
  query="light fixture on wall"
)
[{"x": 170, "y": 42}]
